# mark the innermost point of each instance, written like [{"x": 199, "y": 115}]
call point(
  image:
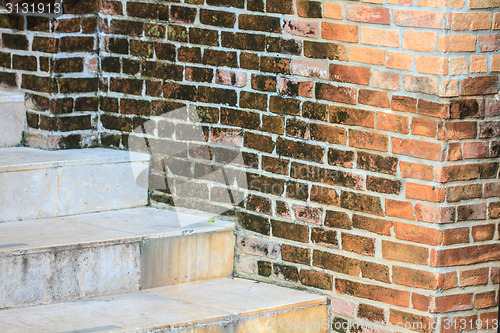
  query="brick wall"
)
[
  {"x": 369, "y": 132},
  {"x": 54, "y": 59}
]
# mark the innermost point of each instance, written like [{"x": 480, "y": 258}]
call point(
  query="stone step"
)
[
  {"x": 40, "y": 183},
  {"x": 219, "y": 305},
  {"x": 12, "y": 118},
  {"x": 51, "y": 260}
]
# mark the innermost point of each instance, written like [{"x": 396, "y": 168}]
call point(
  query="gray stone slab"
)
[
  {"x": 37, "y": 183},
  {"x": 212, "y": 306},
  {"x": 12, "y": 118},
  {"x": 51, "y": 260}
]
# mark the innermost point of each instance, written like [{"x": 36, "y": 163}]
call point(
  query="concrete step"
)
[
  {"x": 51, "y": 260},
  {"x": 220, "y": 305},
  {"x": 12, "y": 118},
  {"x": 39, "y": 183}
]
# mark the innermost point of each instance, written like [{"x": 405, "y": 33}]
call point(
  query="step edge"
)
[
  {"x": 122, "y": 156},
  {"x": 14, "y": 252},
  {"x": 223, "y": 319}
]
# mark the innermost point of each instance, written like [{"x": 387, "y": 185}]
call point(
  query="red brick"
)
[
  {"x": 385, "y": 80},
  {"x": 358, "y": 244},
  {"x": 371, "y": 313},
  {"x": 420, "y": 84},
  {"x": 405, "y": 252},
  {"x": 301, "y": 28},
  {"x": 375, "y": 271},
  {"x": 350, "y": 116},
  {"x": 457, "y": 43},
  {"x": 424, "y": 192},
  {"x": 471, "y": 21},
  {"x": 330, "y": 134},
  {"x": 433, "y": 109},
  {"x": 368, "y": 14},
  {"x": 336, "y": 93},
  {"x": 340, "y": 32},
  {"x": 361, "y": 202},
  {"x": 399, "y": 209},
  {"x": 325, "y": 50},
  {"x": 485, "y": 300},
  {"x": 465, "y": 255},
  {"x": 419, "y": 41},
  {"x": 374, "y": 98},
  {"x": 481, "y": 85},
  {"x": 336, "y": 263},
  {"x": 449, "y": 303},
  {"x": 376, "y": 293},
  {"x": 420, "y": 19},
  {"x": 431, "y": 65},
  {"x": 312, "y": 68},
  {"x": 333, "y": 11},
  {"x": 295, "y": 88},
  {"x": 398, "y": 60},
  {"x": 392, "y": 122},
  {"x": 418, "y": 234},
  {"x": 324, "y": 237},
  {"x": 483, "y": 232},
  {"x": 367, "y": 55},
  {"x": 417, "y": 171},
  {"x": 404, "y": 104},
  {"x": 316, "y": 279},
  {"x": 424, "y": 127},
  {"x": 295, "y": 254},
  {"x": 350, "y": 74},
  {"x": 377, "y": 226},
  {"x": 455, "y": 236},
  {"x": 380, "y": 37},
  {"x": 463, "y": 192},
  {"x": 474, "y": 277},
  {"x": 415, "y": 278},
  {"x": 420, "y": 302},
  {"x": 413, "y": 321},
  {"x": 420, "y": 149},
  {"x": 368, "y": 140},
  {"x": 459, "y": 130}
]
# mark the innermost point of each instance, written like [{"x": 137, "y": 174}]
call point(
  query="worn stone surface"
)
[
  {"x": 64, "y": 258},
  {"x": 12, "y": 118},
  {"x": 58, "y": 183},
  {"x": 209, "y": 306}
]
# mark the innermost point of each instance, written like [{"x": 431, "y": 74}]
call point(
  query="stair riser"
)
[
  {"x": 69, "y": 190},
  {"x": 55, "y": 276},
  {"x": 186, "y": 259},
  {"x": 12, "y": 120},
  {"x": 66, "y": 274}
]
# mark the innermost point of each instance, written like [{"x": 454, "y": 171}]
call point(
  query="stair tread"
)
[
  {"x": 108, "y": 227},
  {"x": 22, "y": 158},
  {"x": 202, "y": 302}
]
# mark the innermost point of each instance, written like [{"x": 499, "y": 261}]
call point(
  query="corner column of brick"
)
[{"x": 54, "y": 60}]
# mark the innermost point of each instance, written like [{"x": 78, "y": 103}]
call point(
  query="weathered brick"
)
[
  {"x": 405, "y": 252},
  {"x": 340, "y": 32},
  {"x": 361, "y": 202},
  {"x": 329, "y": 51},
  {"x": 373, "y": 292},
  {"x": 368, "y": 14},
  {"x": 368, "y": 140},
  {"x": 350, "y": 74},
  {"x": 336, "y": 263}
]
